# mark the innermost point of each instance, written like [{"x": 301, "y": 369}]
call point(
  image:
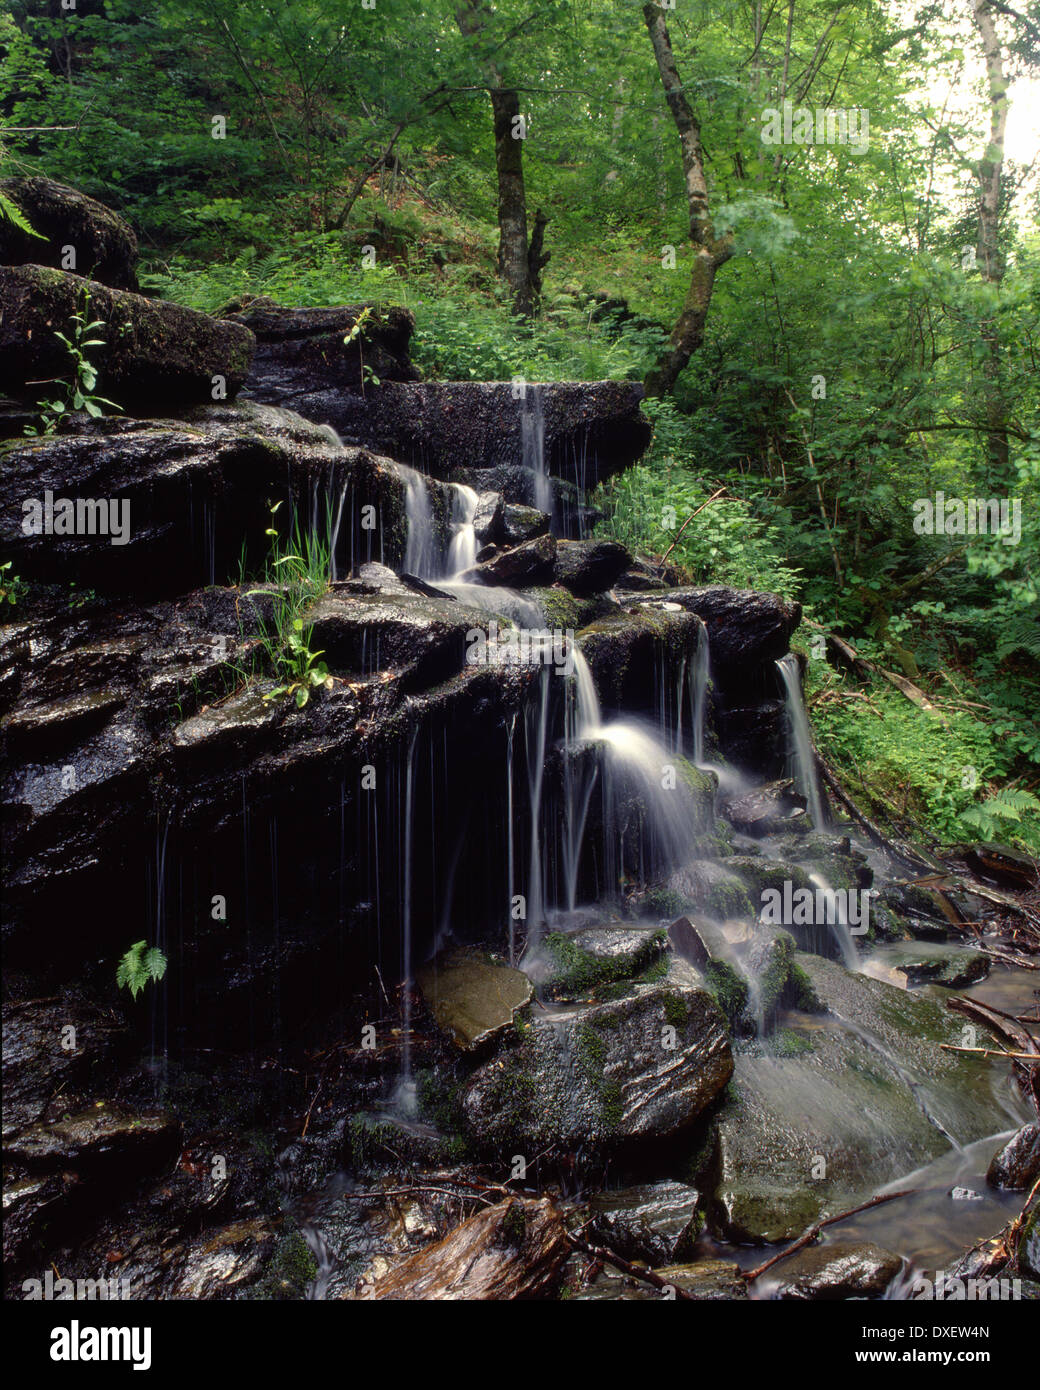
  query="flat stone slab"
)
[
  {"x": 836, "y": 1271},
  {"x": 472, "y": 998}
]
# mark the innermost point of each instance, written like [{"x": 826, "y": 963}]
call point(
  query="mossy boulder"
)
[
  {"x": 571, "y": 964},
  {"x": 638, "y": 1070},
  {"x": 806, "y": 1135},
  {"x": 103, "y": 244},
  {"x": 155, "y": 356}
]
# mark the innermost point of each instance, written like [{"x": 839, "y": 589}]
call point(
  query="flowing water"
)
[{"x": 801, "y": 739}]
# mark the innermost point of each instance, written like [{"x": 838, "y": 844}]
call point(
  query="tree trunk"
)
[
  {"x": 518, "y": 267},
  {"x": 990, "y": 262},
  {"x": 709, "y": 252}
]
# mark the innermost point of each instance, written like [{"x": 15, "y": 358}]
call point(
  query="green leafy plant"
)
[
  {"x": 303, "y": 669},
  {"x": 138, "y": 966},
  {"x": 78, "y": 388},
  {"x": 12, "y": 587},
  {"x": 302, "y": 572},
  {"x": 1001, "y": 813}
]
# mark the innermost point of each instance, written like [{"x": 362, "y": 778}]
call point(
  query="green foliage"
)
[
  {"x": 993, "y": 816},
  {"x": 78, "y": 386},
  {"x": 141, "y": 964},
  {"x": 12, "y": 588},
  {"x": 300, "y": 572}
]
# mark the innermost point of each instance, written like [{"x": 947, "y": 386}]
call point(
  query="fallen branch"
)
[
  {"x": 645, "y": 1276},
  {"x": 993, "y": 1052},
  {"x": 682, "y": 528},
  {"x": 750, "y": 1275}
]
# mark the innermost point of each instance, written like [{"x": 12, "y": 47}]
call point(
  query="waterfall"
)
[
  {"x": 532, "y": 433},
  {"x": 420, "y": 556},
  {"x": 537, "y": 726},
  {"x": 636, "y": 769},
  {"x": 840, "y": 926},
  {"x": 801, "y": 739},
  {"x": 405, "y": 1098},
  {"x": 462, "y": 552},
  {"x": 699, "y": 678}
]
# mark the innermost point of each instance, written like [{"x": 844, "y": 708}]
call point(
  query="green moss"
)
[
  {"x": 727, "y": 988},
  {"x": 576, "y": 971},
  {"x": 787, "y": 1043},
  {"x": 289, "y": 1270},
  {"x": 676, "y": 1010},
  {"x": 799, "y": 992}
]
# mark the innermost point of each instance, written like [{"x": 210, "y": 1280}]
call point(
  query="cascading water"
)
[
  {"x": 801, "y": 739},
  {"x": 700, "y": 675},
  {"x": 405, "y": 1098},
  {"x": 420, "y": 556},
  {"x": 462, "y": 551},
  {"x": 840, "y": 925},
  {"x": 532, "y": 433}
]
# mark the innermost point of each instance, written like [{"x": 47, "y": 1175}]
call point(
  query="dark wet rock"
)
[
  {"x": 873, "y": 1098},
  {"x": 1016, "y": 1166},
  {"x": 52, "y": 1047},
  {"x": 105, "y": 246},
  {"x": 644, "y": 576},
  {"x": 766, "y": 810},
  {"x": 706, "y": 886},
  {"x": 36, "y": 730},
  {"x": 1029, "y": 1242},
  {"x": 708, "y": 1281},
  {"x": 952, "y": 970},
  {"x": 570, "y": 964},
  {"x": 472, "y": 997},
  {"x": 106, "y": 1135},
  {"x": 626, "y": 648},
  {"x": 379, "y": 1143},
  {"x": 767, "y": 957},
  {"x": 192, "y": 493},
  {"x": 589, "y": 567},
  {"x": 156, "y": 355},
  {"x": 232, "y": 727},
  {"x": 836, "y": 1271},
  {"x": 656, "y": 1223},
  {"x": 488, "y": 518},
  {"x": 525, "y": 565},
  {"x": 1005, "y": 866},
  {"x": 602, "y": 1075},
  {"x": 225, "y": 1260},
  {"x": 688, "y": 941},
  {"x": 745, "y": 628},
  {"x": 301, "y": 353},
  {"x": 521, "y": 523},
  {"x": 592, "y": 429},
  {"x": 423, "y": 637},
  {"x": 32, "y": 1203}
]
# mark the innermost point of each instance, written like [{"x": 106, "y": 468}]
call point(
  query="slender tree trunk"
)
[
  {"x": 990, "y": 262},
  {"x": 709, "y": 252},
  {"x": 519, "y": 264}
]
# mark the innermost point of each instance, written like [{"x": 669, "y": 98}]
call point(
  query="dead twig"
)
[{"x": 810, "y": 1235}]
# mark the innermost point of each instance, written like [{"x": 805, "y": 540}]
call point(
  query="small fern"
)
[
  {"x": 13, "y": 213},
  {"x": 140, "y": 964},
  {"x": 996, "y": 811}
]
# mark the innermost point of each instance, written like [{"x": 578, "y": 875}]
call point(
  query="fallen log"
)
[{"x": 513, "y": 1250}]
